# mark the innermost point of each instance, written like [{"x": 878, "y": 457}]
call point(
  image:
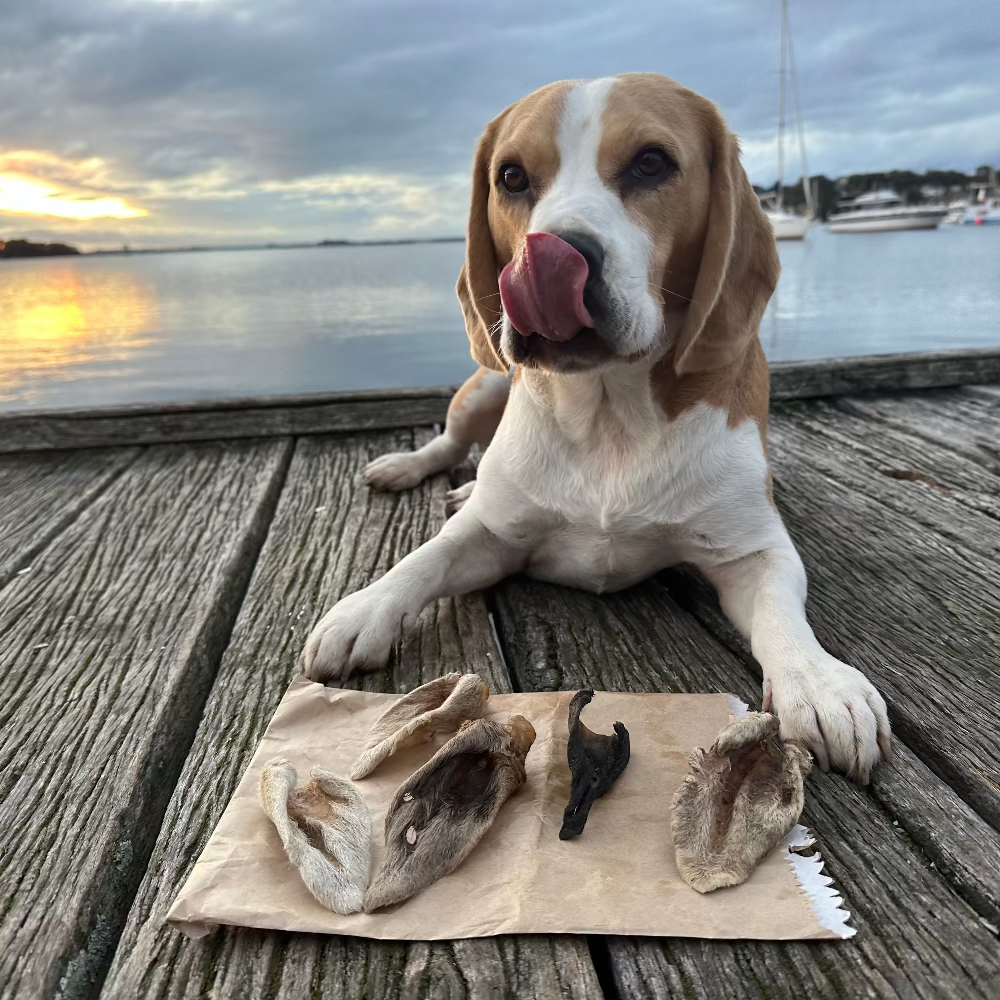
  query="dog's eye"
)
[
  {"x": 514, "y": 178},
  {"x": 651, "y": 165}
]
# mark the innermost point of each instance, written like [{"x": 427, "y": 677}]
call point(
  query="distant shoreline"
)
[
  {"x": 24, "y": 249},
  {"x": 278, "y": 246}
]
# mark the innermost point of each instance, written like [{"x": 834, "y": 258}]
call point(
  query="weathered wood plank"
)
[
  {"x": 989, "y": 392},
  {"x": 916, "y": 938},
  {"x": 883, "y": 372},
  {"x": 40, "y": 494},
  {"x": 925, "y": 467},
  {"x": 917, "y": 610},
  {"x": 941, "y": 491},
  {"x": 329, "y": 536},
  {"x": 966, "y": 424},
  {"x": 108, "y": 649},
  {"x": 365, "y": 411},
  {"x": 223, "y": 419}
]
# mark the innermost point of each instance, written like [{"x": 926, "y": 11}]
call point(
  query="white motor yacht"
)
[{"x": 882, "y": 211}]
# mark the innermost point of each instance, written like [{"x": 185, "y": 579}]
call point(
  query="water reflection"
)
[
  {"x": 93, "y": 331},
  {"x": 60, "y": 319}
]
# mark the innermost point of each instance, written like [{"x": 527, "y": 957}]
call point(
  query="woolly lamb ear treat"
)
[
  {"x": 326, "y": 831},
  {"x": 440, "y": 706},
  {"x": 442, "y": 811},
  {"x": 741, "y": 799},
  {"x": 596, "y": 762}
]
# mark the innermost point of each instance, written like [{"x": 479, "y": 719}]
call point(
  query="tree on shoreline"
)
[
  {"x": 25, "y": 248},
  {"x": 915, "y": 189}
]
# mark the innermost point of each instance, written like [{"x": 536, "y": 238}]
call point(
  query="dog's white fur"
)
[{"x": 588, "y": 483}]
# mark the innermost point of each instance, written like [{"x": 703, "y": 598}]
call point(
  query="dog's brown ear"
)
[
  {"x": 478, "y": 288},
  {"x": 739, "y": 266}
]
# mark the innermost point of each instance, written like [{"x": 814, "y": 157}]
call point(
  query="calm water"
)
[{"x": 102, "y": 330}]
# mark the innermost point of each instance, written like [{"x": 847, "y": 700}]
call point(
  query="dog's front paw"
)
[
  {"x": 832, "y": 709},
  {"x": 399, "y": 471},
  {"x": 357, "y": 633}
]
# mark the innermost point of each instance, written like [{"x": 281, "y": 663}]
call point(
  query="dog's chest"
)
[
  {"x": 620, "y": 519},
  {"x": 623, "y": 505}
]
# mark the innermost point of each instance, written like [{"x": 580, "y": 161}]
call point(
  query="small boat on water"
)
[
  {"x": 985, "y": 213},
  {"x": 883, "y": 211},
  {"x": 788, "y": 225},
  {"x": 981, "y": 208}
]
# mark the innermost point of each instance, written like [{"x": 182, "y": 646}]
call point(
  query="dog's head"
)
[{"x": 612, "y": 220}]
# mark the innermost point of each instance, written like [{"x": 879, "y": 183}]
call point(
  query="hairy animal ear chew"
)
[
  {"x": 740, "y": 799},
  {"x": 442, "y": 811}
]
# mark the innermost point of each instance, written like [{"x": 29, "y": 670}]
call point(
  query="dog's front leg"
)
[
  {"x": 359, "y": 631},
  {"x": 822, "y": 703}
]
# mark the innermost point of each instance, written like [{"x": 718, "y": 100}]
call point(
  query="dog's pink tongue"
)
[{"x": 542, "y": 289}]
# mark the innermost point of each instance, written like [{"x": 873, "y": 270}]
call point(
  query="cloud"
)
[
  {"x": 39, "y": 183},
  {"x": 235, "y": 120}
]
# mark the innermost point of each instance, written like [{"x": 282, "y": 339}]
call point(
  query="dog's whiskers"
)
[{"x": 676, "y": 295}]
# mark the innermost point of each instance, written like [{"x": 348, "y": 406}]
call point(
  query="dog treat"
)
[
  {"x": 596, "y": 762},
  {"x": 440, "y": 706},
  {"x": 442, "y": 811},
  {"x": 326, "y": 831},
  {"x": 743, "y": 797}
]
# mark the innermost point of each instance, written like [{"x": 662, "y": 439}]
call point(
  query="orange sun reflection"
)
[{"x": 61, "y": 316}]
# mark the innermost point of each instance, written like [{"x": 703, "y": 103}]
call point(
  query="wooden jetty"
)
[{"x": 160, "y": 569}]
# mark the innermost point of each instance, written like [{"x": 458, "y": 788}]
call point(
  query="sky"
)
[{"x": 179, "y": 122}]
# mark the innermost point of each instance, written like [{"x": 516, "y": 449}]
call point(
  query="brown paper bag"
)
[{"x": 619, "y": 877}]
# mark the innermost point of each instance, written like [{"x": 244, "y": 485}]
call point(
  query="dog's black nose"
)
[
  {"x": 588, "y": 248},
  {"x": 594, "y": 295}
]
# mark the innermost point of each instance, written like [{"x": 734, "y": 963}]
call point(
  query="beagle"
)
[{"x": 618, "y": 258}]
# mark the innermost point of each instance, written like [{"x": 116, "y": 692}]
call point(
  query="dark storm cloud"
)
[{"x": 211, "y": 113}]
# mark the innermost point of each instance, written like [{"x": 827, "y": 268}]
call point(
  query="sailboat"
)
[{"x": 788, "y": 225}]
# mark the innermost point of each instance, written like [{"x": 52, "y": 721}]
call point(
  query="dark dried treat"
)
[
  {"x": 596, "y": 762},
  {"x": 743, "y": 797},
  {"x": 442, "y": 811}
]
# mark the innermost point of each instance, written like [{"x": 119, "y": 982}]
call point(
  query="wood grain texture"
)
[
  {"x": 883, "y": 372},
  {"x": 905, "y": 585},
  {"x": 108, "y": 648},
  {"x": 365, "y": 411},
  {"x": 330, "y": 536},
  {"x": 989, "y": 392},
  {"x": 916, "y": 937},
  {"x": 40, "y": 494},
  {"x": 966, "y": 424},
  {"x": 926, "y": 467},
  {"x": 222, "y": 419}
]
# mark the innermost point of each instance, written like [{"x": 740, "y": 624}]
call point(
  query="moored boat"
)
[
  {"x": 982, "y": 207},
  {"x": 788, "y": 225},
  {"x": 883, "y": 211}
]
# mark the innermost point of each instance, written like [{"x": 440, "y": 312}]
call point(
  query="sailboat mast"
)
[
  {"x": 806, "y": 180},
  {"x": 781, "y": 108}
]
